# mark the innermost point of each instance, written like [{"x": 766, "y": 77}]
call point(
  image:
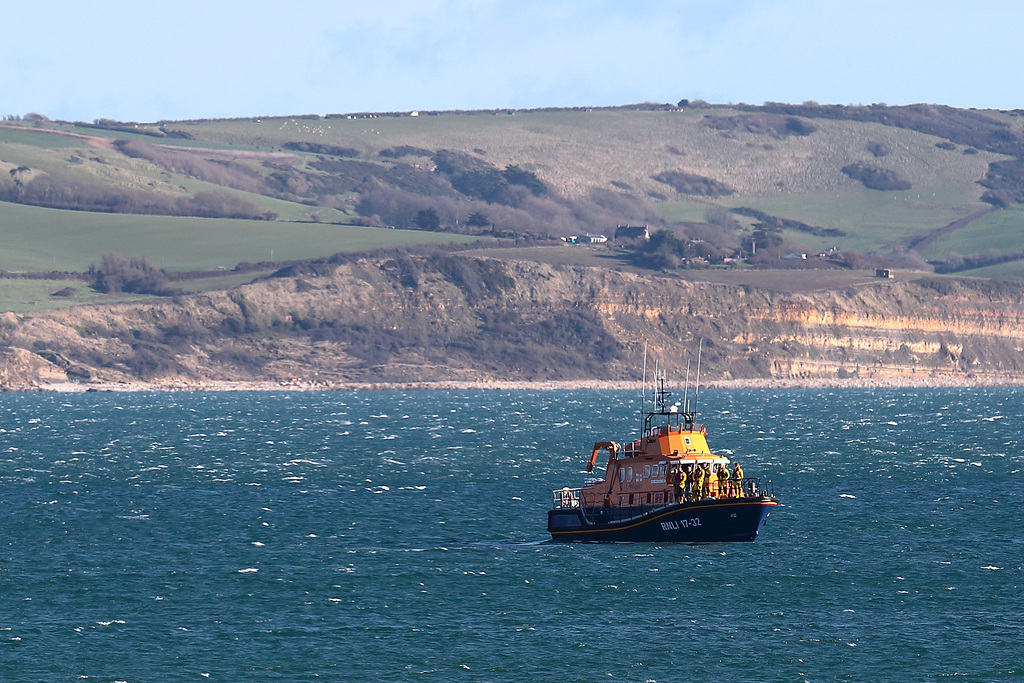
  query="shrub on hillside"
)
[
  {"x": 775, "y": 125},
  {"x": 220, "y": 204},
  {"x": 691, "y": 183},
  {"x": 956, "y": 263},
  {"x": 876, "y": 178},
  {"x": 878, "y": 149},
  {"x": 404, "y": 151},
  {"x": 117, "y": 273},
  {"x": 478, "y": 179},
  {"x": 518, "y": 176},
  {"x": 318, "y": 148},
  {"x": 1002, "y": 199},
  {"x": 777, "y": 223},
  {"x": 1006, "y": 178}
]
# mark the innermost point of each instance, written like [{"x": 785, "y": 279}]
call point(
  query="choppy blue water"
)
[{"x": 401, "y": 536}]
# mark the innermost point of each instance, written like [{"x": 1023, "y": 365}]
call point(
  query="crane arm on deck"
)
[{"x": 613, "y": 449}]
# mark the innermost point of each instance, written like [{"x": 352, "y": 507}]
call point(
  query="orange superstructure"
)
[{"x": 644, "y": 471}]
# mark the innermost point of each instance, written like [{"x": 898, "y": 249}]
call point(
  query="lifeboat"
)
[{"x": 664, "y": 487}]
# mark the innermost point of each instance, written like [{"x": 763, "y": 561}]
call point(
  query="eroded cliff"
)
[{"x": 464, "y": 319}]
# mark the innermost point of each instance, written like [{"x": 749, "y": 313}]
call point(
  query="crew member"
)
[
  {"x": 723, "y": 481},
  {"x": 698, "y": 481},
  {"x": 680, "y": 484},
  {"x": 737, "y": 479}
]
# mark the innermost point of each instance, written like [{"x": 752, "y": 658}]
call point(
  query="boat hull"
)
[{"x": 703, "y": 521}]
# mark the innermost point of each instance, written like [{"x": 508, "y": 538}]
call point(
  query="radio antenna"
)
[
  {"x": 658, "y": 398},
  {"x": 643, "y": 391},
  {"x": 696, "y": 392},
  {"x": 686, "y": 388}
]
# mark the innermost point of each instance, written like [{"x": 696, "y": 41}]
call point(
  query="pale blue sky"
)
[{"x": 147, "y": 61}]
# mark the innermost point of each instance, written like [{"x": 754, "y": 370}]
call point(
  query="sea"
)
[{"x": 401, "y": 536}]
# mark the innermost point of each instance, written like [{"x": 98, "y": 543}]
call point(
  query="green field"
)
[
  {"x": 1013, "y": 270},
  {"x": 997, "y": 230},
  {"x": 36, "y": 239},
  {"x": 33, "y": 296},
  {"x": 26, "y": 296}
]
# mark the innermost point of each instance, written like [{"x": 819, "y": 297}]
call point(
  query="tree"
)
[
  {"x": 117, "y": 273},
  {"x": 850, "y": 259},
  {"x": 765, "y": 237},
  {"x": 478, "y": 219},
  {"x": 427, "y": 219},
  {"x": 664, "y": 251}
]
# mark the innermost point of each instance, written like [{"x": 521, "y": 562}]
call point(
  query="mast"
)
[
  {"x": 657, "y": 378},
  {"x": 643, "y": 391},
  {"x": 696, "y": 392},
  {"x": 686, "y": 388}
]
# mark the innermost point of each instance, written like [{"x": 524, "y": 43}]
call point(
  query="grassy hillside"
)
[
  {"x": 207, "y": 194},
  {"x": 577, "y": 152}
]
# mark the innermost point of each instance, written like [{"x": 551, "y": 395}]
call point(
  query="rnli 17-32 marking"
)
[{"x": 680, "y": 524}]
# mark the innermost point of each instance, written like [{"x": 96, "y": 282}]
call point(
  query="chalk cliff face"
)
[{"x": 459, "y": 318}]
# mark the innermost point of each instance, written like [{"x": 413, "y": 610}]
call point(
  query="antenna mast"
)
[
  {"x": 696, "y": 391},
  {"x": 657, "y": 378},
  {"x": 686, "y": 388},
  {"x": 643, "y": 390}
]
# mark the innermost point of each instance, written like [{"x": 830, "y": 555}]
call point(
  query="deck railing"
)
[
  {"x": 568, "y": 498},
  {"x": 565, "y": 498}
]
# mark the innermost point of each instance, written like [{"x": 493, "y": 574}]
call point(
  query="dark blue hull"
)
[{"x": 703, "y": 521}]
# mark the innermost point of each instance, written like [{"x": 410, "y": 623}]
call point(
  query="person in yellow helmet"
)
[
  {"x": 698, "y": 481},
  {"x": 737, "y": 479},
  {"x": 680, "y": 485},
  {"x": 723, "y": 481}
]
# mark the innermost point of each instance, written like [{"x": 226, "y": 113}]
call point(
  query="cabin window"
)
[
  {"x": 647, "y": 471},
  {"x": 664, "y": 469},
  {"x": 629, "y": 474},
  {"x": 648, "y": 498},
  {"x": 622, "y": 474}
]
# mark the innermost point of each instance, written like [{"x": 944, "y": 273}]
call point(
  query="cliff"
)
[{"x": 460, "y": 319}]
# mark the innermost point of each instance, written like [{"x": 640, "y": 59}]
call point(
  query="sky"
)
[{"x": 147, "y": 61}]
